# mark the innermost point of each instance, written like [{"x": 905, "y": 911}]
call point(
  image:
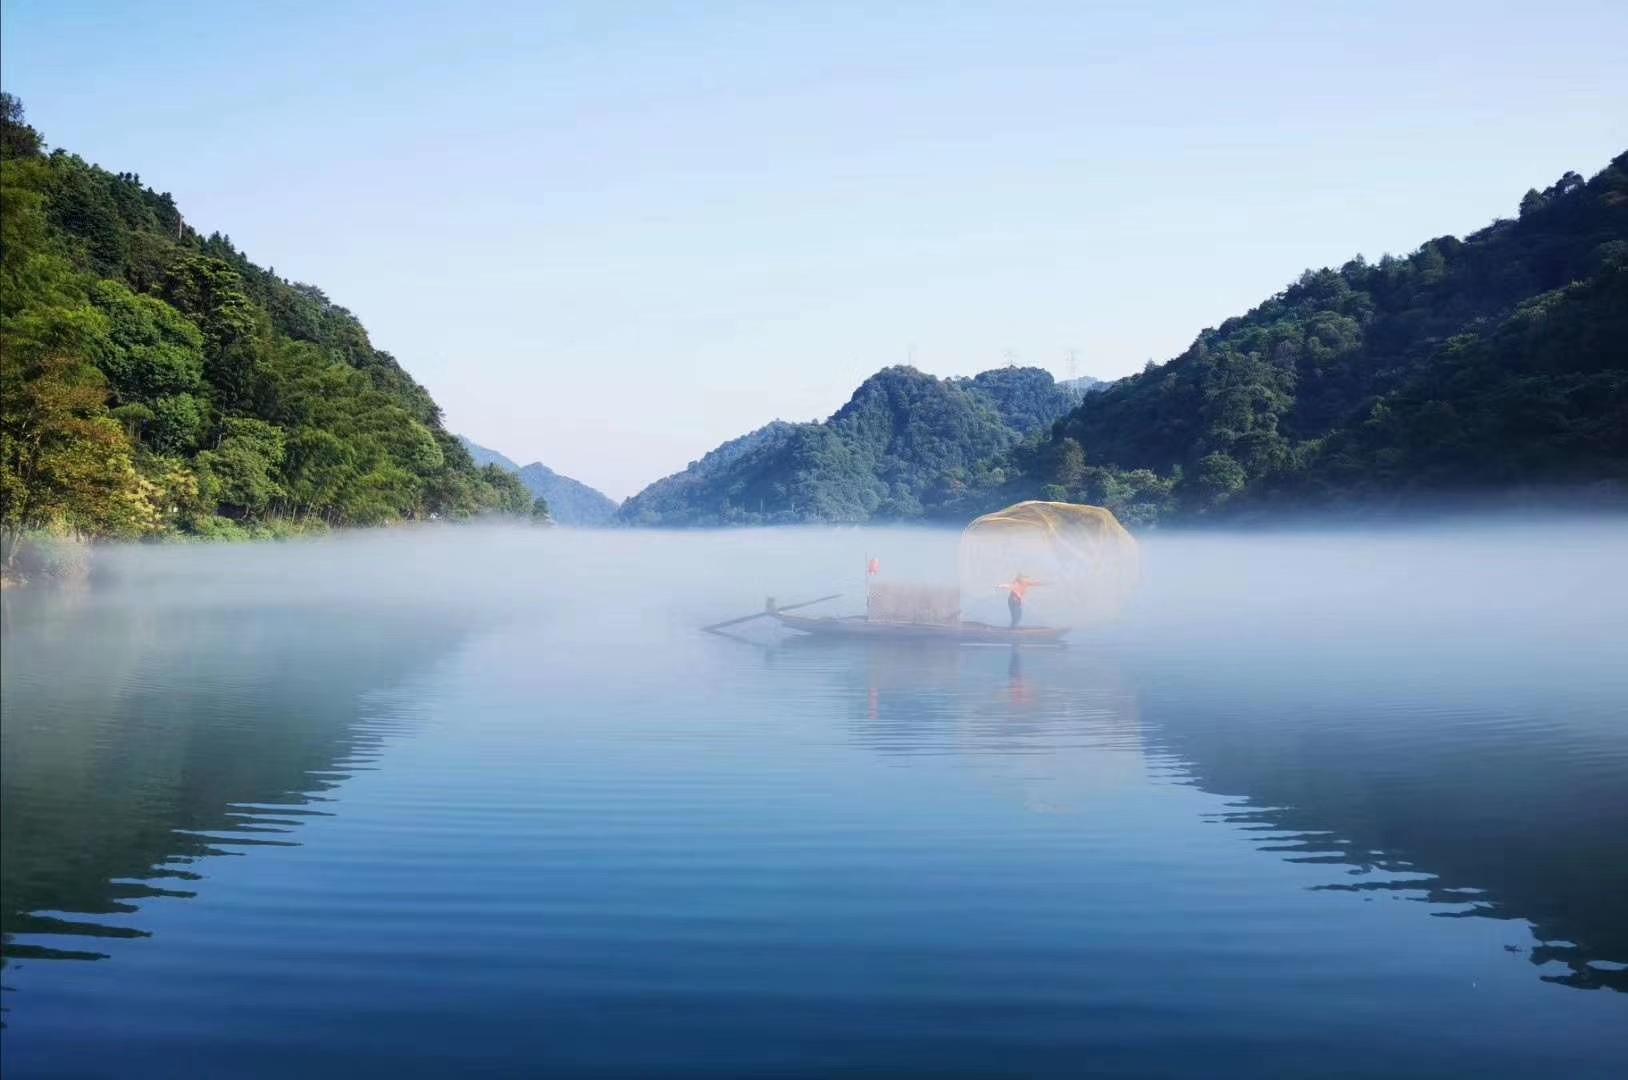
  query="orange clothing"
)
[{"x": 1019, "y": 588}]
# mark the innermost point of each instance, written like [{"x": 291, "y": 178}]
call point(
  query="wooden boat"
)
[{"x": 860, "y": 628}]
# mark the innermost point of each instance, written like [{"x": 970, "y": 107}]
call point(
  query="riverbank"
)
[
  {"x": 59, "y": 557},
  {"x": 63, "y": 557}
]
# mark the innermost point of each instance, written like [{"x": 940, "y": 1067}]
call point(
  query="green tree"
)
[
  {"x": 177, "y": 425},
  {"x": 1069, "y": 466},
  {"x": 319, "y": 466},
  {"x": 509, "y": 495},
  {"x": 151, "y": 349},
  {"x": 241, "y": 473},
  {"x": 17, "y": 139},
  {"x": 63, "y": 459},
  {"x": 1218, "y": 479},
  {"x": 213, "y": 295}
]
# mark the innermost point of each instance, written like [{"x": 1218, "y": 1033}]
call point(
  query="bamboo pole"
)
[{"x": 769, "y": 608}]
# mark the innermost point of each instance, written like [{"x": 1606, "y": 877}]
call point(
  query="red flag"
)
[{"x": 874, "y": 568}]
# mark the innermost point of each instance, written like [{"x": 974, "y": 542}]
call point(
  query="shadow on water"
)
[{"x": 140, "y": 741}]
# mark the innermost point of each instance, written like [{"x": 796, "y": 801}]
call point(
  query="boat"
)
[
  {"x": 1085, "y": 564},
  {"x": 859, "y": 627}
]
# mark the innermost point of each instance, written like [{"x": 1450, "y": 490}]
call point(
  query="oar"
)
[{"x": 769, "y": 609}]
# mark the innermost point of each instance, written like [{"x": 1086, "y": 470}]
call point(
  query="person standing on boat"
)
[{"x": 1016, "y": 590}]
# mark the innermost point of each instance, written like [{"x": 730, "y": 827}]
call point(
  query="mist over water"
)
[{"x": 453, "y": 798}]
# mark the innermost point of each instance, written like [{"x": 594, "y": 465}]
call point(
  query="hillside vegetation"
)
[
  {"x": 879, "y": 456},
  {"x": 1496, "y": 364},
  {"x": 156, "y": 381}
]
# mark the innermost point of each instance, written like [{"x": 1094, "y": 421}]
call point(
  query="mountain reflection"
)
[
  {"x": 1489, "y": 786},
  {"x": 1481, "y": 802},
  {"x": 141, "y": 740}
]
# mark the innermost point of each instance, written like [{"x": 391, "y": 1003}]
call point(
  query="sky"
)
[{"x": 610, "y": 236}]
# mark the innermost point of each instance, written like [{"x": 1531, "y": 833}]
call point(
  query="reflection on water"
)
[
  {"x": 139, "y": 741},
  {"x": 1441, "y": 776},
  {"x": 1420, "y": 775},
  {"x": 1058, "y": 728},
  {"x": 321, "y": 812}
]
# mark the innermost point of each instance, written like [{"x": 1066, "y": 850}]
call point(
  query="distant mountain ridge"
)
[
  {"x": 484, "y": 456},
  {"x": 570, "y": 502},
  {"x": 901, "y": 434}
]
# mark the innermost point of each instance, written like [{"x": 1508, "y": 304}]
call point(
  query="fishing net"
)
[{"x": 1083, "y": 562}]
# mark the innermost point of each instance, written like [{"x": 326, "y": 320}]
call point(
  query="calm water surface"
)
[{"x": 436, "y": 802}]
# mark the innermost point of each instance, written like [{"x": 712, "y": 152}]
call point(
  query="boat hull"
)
[{"x": 859, "y": 628}]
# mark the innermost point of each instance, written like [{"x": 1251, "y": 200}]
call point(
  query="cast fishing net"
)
[{"x": 1083, "y": 561}]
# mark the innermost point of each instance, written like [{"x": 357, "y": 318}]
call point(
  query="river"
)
[{"x": 464, "y": 800}]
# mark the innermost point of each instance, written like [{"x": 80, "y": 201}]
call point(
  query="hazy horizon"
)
[{"x": 609, "y": 243}]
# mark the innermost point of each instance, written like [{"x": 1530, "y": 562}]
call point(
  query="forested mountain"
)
[
  {"x": 877, "y": 457},
  {"x": 570, "y": 502},
  {"x": 155, "y": 380},
  {"x": 1493, "y": 364},
  {"x": 704, "y": 492},
  {"x": 484, "y": 456}
]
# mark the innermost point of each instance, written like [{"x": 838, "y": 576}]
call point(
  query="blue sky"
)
[{"x": 609, "y": 236}]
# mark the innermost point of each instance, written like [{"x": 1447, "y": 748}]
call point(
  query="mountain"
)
[
  {"x": 484, "y": 457},
  {"x": 570, "y": 502},
  {"x": 902, "y": 433},
  {"x": 709, "y": 491},
  {"x": 1492, "y": 366},
  {"x": 156, "y": 381}
]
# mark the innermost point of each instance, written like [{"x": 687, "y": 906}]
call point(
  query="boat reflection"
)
[{"x": 1056, "y": 726}]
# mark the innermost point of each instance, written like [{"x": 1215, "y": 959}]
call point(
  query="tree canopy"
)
[{"x": 156, "y": 380}]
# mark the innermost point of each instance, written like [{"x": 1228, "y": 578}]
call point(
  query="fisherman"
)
[{"x": 1016, "y": 590}]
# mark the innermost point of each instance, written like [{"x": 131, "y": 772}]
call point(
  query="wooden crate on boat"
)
[{"x": 914, "y": 605}]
